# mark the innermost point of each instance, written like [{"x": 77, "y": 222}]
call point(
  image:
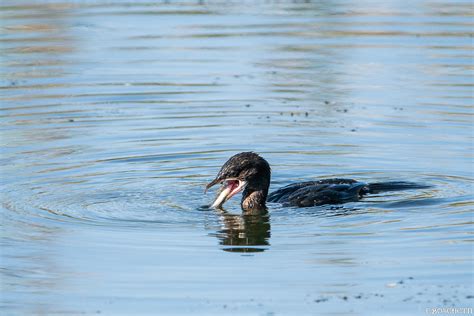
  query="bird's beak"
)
[
  {"x": 213, "y": 183},
  {"x": 230, "y": 187}
]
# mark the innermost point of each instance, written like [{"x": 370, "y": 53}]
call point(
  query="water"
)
[{"x": 116, "y": 114}]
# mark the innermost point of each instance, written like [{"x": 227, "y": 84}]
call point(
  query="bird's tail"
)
[{"x": 393, "y": 186}]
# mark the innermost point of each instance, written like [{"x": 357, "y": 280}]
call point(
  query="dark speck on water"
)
[
  {"x": 105, "y": 215},
  {"x": 321, "y": 300}
]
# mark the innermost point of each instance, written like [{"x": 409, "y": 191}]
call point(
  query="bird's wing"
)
[
  {"x": 282, "y": 194},
  {"x": 305, "y": 194}
]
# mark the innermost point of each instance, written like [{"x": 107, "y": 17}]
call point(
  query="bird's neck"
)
[{"x": 253, "y": 200}]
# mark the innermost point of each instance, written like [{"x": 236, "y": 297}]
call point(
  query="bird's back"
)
[{"x": 311, "y": 193}]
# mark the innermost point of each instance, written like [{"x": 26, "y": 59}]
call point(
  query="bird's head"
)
[{"x": 245, "y": 170}]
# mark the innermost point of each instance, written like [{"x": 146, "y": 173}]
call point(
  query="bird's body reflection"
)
[{"x": 244, "y": 233}]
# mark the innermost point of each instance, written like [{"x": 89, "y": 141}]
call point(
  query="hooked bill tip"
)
[{"x": 211, "y": 184}]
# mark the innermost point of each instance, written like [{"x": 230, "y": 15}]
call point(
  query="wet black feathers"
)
[
  {"x": 310, "y": 193},
  {"x": 245, "y": 165}
]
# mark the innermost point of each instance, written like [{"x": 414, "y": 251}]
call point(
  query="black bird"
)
[{"x": 250, "y": 173}]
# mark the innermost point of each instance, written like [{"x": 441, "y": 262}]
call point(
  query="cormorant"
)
[{"x": 250, "y": 173}]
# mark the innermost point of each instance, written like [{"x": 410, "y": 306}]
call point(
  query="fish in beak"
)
[{"x": 229, "y": 188}]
